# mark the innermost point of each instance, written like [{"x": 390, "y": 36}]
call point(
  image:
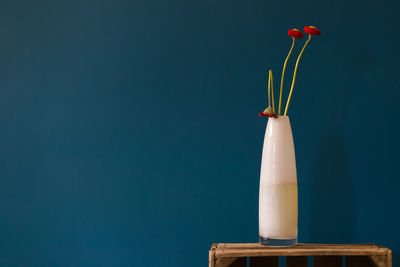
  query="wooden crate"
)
[{"x": 323, "y": 255}]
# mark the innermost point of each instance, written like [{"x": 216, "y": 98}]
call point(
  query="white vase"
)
[{"x": 278, "y": 207}]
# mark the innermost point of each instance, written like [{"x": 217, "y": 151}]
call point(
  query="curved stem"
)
[
  {"x": 272, "y": 90},
  {"x": 269, "y": 89},
  {"x": 283, "y": 75},
  {"x": 295, "y": 72}
]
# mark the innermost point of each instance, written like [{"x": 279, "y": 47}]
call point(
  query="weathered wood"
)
[
  {"x": 300, "y": 245},
  {"x": 296, "y": 261},
  {"x": 230, "y": 262},
  {"x": 366, "y": 261},
  {"x": 264, "y": 261},
  {"x": 328, "y": 261},
  {"x": 234, "y": 255},
  {"x": 211, "y": 257},
  {"x": 297, "y": 252}
]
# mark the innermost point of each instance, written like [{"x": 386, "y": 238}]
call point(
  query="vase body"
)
[{"x": 278, "y": 198}]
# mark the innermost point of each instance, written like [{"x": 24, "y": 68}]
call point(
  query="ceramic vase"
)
[{"x": 278, "y": 198}]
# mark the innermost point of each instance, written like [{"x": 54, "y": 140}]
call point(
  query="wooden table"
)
[{"x": 323, "y": 255}]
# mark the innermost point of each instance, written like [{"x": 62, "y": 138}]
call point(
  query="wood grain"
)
[
  {"x": 230, "y": 262},
  {"x": 257, "y": 250},
  {"x": 211, "y": 258},
  {"x": 326, "y": 255},
  {"x": 389, "y": 258},
  {"x": 300, "y": 245}
]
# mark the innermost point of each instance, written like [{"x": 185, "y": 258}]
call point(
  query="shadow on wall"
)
[{"x": 332, "y": 194}]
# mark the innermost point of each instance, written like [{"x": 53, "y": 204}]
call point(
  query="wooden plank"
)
[
  {"x": 380, "y": 261},
  {"x": 211, "y": 258},
  {"x": 211, "y": 255},
  {"x": 230, "y": 262},
  {"x": 368, "y": 261},
  {"x": 328, "y": 261},
  {"x": 264, "y": 261},
  {"x": 300, "y": 245},
  {"x": 296, "y": 261},
  {"x": 362, "y": 261},
  {"x": 389, "y": 258},
  {"x": 257, "y": 252},
  {"x": 235, "y": 254}
]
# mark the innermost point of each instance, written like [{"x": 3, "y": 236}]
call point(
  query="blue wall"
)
[{"x": 129, "y": 129}]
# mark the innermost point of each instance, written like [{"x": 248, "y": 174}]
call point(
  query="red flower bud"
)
[
  {"x": 312, "y": 30},
  {"x": 262, "y": 114},
  {"x": 295, "y": 33}
]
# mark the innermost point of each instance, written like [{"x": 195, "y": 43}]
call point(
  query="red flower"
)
[
  {"x": 262, "y": 114},
  {"x": 312, "y": 30},
  {"x": 295, "y": 33}
]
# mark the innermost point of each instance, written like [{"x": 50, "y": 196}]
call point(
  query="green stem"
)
[
  {"x": 269, "y": 89},
  {"x": 272, "y": 90}
]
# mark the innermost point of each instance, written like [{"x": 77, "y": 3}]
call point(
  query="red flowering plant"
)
[
  {"x": 312, "y": 30},
  {"x": 295, "y": 34}
]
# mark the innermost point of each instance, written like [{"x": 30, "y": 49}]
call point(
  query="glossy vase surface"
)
[{"x": 278, "y": 197}]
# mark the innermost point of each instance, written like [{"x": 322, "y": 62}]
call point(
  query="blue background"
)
[{"x": 130, "y": 137}]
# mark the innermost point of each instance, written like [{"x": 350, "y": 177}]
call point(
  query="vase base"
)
[{"x": 272, "y": 242}]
